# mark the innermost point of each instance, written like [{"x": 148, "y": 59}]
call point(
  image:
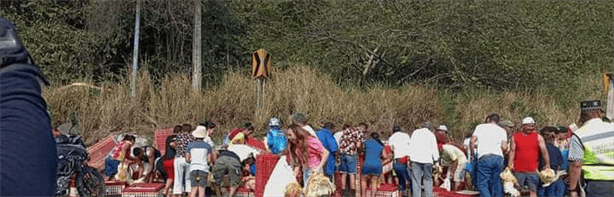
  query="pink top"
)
[{"x": 315, "y": 149}]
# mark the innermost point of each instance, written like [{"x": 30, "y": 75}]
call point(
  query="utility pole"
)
[
  {"x": 135, "y": 58},
  {"x": 196, "y": 48},
  {"x": 610, "y": 102}
]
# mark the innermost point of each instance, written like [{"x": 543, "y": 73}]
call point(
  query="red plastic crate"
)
[
  {"x": 114, "y": 188},
  {"x": 144, "y": 190},
  {"x": 265, "y": 163},
  {"x": 244, "y": 192},
  {"x": 386, "y": 190},
  {"x": 99, "y": 151},
  {"x": 160, "y": 135},
  {"x": 445, "y": 193}
]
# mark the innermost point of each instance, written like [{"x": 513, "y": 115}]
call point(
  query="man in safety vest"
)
[{"x": 592, "y": 151}]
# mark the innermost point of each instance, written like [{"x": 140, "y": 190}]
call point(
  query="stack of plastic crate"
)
[
  {"x": 244, "y": 192},
  {"x": 160, "y": 135},
  {"x": 265, "y": 163},
  {"x": 114, "y": 188},
  {"x": 98, "y": 152},
  {"x": 144, "y": 190}
]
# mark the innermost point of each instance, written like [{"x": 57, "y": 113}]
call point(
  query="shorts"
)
[
  {"x": 169, "y": 166},
  {"x": 198, "y": 178},
  {"x": 348, "y": 164},
  {"x": 459, "y": 174},
  {"x": 227, "y": 165},
  {"x": 530, "y": 180}
]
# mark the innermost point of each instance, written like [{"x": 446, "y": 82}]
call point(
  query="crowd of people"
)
[{"x": 422, "y": 159}]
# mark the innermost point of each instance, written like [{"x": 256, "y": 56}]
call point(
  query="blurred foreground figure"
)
[{"x": 28, "y": 156}]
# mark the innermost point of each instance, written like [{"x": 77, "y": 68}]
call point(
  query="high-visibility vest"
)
[{"x": 598, "y": 140}]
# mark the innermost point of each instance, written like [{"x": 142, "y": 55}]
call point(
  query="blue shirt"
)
[
  {"x": 329, "y": 142},
  {"x": 276, "y": 140},
  {"x": 556, "y": 158}
]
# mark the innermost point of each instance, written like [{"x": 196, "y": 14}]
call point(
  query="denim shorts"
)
[
  {"x": 530, "y": 180},
  {"x": 348, "y": 164},
  {"x": 198, "y": 178}
]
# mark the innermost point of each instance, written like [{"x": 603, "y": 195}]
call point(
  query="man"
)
[
  {"x": 182, "y": 168},
  {"x": 229, "y": 163},
  {"x": 300, "y": 119},
  {"x": 509, "y": 129},
  {"x": 146, "y": 156},
  {"x": 249, "y": 138},
  {"x": 350, "y": 143},
  {"x": 524, "y": 155},
  {"x": 276, "y": 139},
  {"x": 455, "y": 159},
  {"x": 491, "y": 142},
  {"x": 423, "y": 153},
  {"x": 399, "y": 143},
  {"x": 199, "y": 156},
  {"x": 28, "y": 155},
  {"x": 441, "y": 134},
  {"x": 325, "y": 135},
  {"x": 591, "y": 151}
]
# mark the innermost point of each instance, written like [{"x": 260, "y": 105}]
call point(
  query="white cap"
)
[
  {"x": 528, "y": 120},
  {"x": 443, "y": 128},
  {"x": 200, "y": 132},
  {"x": 274, "y": 122}
]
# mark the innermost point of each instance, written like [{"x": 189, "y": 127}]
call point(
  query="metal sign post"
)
[{"x": 261, "y": 71}]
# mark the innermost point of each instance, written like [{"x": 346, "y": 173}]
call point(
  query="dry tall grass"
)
[{"x": 298, "y": 89}]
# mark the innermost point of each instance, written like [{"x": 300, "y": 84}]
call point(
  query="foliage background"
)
[{"x": 472, "y": 57}]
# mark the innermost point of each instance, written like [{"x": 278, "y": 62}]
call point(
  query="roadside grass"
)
[{"x": 299, "y": 89}]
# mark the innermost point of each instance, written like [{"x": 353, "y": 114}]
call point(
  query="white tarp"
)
[{"x": 281, "y": 176}]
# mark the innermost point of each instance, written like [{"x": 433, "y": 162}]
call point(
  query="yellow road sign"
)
[{"x": 261, "y": 64}]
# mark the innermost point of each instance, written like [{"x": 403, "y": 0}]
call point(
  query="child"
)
[
  {"x": 199, "y": 154},
  {"x": 557, "y": 188}
]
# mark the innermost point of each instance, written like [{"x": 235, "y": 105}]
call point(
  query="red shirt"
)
[{"x": 526, "y": 157}]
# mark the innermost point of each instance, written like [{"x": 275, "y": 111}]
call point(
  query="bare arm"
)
[
  {"x": 544, "y": 150},
  {"x": 323, "y": 160},
  {"x": 188, "y": 157},
  {"x": 472, "y": 145},
  {"x": 575, "y": 169},
  {"x": 512, "y": 153}
]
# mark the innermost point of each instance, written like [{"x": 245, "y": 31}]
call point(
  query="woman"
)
[
  {"x": 305, "y": 151},
  {"x": 165, "y": 165},
  {"x": 372, "y": 168},
  {"x": 119, "y": 154}
]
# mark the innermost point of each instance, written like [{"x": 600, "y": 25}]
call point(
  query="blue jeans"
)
[
  {"x": 402, "y": 174},
  {"x": 556, "y": 189},
  {"x": 420, "y": 171},
  {"x": 488, "y": 169},
  {"x": 306, "y": 174},
  {"x": 110, "y": 166}
]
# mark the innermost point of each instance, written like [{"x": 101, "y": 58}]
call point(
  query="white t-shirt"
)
[
  {"x": 423, "y": 147},
  {"x": 400, "y": 143},
  {"x": 489, "y": 138},
  {"x": 310, "y": 131},
  {"x": 243, "y": 151}
]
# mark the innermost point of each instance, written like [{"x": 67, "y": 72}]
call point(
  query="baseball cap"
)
[{"x": 528, "y": 120}]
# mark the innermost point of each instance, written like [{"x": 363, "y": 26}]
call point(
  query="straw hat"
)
[{"x": 200, "y": 132}]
